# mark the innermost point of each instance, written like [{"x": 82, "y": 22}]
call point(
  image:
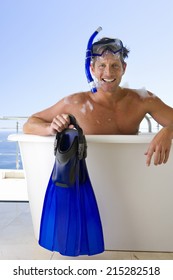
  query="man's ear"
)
[
  {"x": 92, "y": 68},
  {"x": 124, "y": 67}
]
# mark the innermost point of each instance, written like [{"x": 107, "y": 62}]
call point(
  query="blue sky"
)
[{"x": 43, "y": 43}]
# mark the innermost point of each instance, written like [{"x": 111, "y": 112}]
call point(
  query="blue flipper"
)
[{"x": 70, "y": 222}]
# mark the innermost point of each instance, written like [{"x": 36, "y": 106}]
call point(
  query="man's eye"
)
[
  {"x": 101, "y": 66},
  {"x": 116, "y": 66}
]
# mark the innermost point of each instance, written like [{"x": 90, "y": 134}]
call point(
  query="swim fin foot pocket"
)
[{"x": 70, "y": 222}]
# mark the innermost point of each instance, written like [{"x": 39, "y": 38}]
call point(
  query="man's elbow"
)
[{"x": 27, "y": 127}]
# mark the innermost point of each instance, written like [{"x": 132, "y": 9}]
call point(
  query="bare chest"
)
[{"x": 102, "y": 120}]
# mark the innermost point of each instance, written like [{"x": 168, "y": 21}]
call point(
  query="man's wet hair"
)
[{"x": 105, "y": 45}]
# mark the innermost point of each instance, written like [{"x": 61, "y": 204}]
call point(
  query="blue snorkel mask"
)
[
  {"x": 97, "y": 49},
  {"x": 115, "y": 46}
]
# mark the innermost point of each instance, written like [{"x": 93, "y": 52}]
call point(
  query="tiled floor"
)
[{"x": 17, "y": 241}]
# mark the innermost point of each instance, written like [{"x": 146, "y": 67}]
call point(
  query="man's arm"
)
[
  {"x": 160, "y": 146},
  {"x": 48, "y": 121}
]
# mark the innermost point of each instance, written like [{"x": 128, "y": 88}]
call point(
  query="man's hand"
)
[
  {"x": 160, "y": 146},
  {"x": 59, "y": 123}
]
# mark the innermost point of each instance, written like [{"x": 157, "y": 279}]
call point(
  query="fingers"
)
[
  {"x": 166, "y": 156},
  {"x": 159, "y": 155},
  {"x": 148, "y": 158},
  {"x": 60, "y": 122},
  {"x": 160, "y": 147}
]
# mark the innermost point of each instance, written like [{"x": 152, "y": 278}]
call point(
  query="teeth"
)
[{"x": 108, "y": 80}]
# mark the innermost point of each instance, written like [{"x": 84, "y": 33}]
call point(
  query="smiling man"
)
[{"x": 112, "y": 109}]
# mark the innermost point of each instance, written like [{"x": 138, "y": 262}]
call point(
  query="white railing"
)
[{"x": 13, "y": 123}]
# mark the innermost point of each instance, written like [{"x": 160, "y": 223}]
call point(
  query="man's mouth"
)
[{"x": 108, "y": 80}]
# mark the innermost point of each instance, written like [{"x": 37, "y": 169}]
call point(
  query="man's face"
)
[{"x": 108, "y": 70}]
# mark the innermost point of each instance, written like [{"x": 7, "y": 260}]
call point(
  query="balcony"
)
[{"x": 12, "y": 178}]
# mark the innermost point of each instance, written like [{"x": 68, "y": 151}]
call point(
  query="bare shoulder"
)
[
  {"x": 75, "y": 98},
  {"x": 65, "y": 105},
  {"x": 142, "y": 95},
  {"x": 137, "y": 93}
]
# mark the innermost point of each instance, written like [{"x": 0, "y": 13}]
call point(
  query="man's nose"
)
[{"x": 108, "y": 70}]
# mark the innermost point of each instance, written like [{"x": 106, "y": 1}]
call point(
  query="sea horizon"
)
[{"x": 10, "y": 157}]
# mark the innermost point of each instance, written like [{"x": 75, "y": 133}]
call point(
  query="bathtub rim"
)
[{"x": 140, "y": 138}]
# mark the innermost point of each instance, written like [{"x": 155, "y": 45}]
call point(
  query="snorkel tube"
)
[{"x": 88, "y": 61}]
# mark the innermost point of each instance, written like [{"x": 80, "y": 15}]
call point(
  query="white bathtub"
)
[{"x": 135, "y": 201}]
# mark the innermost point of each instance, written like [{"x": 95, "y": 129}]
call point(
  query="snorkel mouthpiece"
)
[{"x": 88, "y": 61}]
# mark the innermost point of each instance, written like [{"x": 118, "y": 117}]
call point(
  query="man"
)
[{"x": 112, "y": 109}]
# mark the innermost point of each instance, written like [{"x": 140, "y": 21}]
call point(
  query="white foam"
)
[
  {"x": 90, "y": 105},
  {"x": 67, "y": 100},
  {"x": 143, "y": 93},
  {"x": 86, "y": 105},
  {"x": 83, "y": 109},
  {"x": 126, "y": 85}
]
